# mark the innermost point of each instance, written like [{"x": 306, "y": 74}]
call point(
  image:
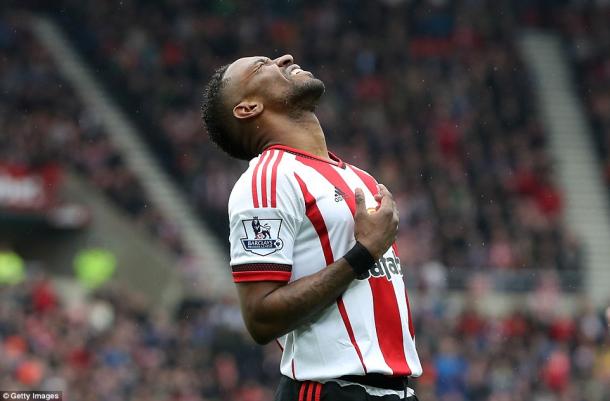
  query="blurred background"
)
[{"x": 488, "y": 120}]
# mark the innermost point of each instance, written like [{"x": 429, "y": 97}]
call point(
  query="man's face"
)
[{"x": 278, "y": 84}]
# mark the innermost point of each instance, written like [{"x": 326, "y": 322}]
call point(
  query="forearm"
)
[{"x": 287, "y": 307}]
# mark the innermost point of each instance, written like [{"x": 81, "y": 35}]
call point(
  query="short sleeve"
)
[{"x": 262, "y": 237}]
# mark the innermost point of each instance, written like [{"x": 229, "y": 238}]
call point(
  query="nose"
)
[{"x": 284, "y": 60}]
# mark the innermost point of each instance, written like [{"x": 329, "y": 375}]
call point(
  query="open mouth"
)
[{"x": 295, "y": 69}]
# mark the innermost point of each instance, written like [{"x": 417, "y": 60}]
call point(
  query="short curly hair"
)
[{"x": 217, "y": 118}]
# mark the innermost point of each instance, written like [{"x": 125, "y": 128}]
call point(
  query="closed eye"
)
[
  {"x": 256, "y": 66},
  {"x": 262, "y": 62}
]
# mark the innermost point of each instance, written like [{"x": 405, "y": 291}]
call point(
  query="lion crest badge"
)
[{"x": 262, "y": 236}]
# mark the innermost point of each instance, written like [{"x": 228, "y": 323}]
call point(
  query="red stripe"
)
[
  {"x": 264, "y": 178},
  {"x": 254, "y": 181},
  {"x": 274, "y": 178},
  {"x": 395, "y": 248},
  {"x": 279, "y": 344},
  {"x": 302, "y": 391},
  {"x": 241, "y": 277},
  {"x": 318, "y": 391},
  {"x": 350, "y": 331},
  {"x": 385, "y": 306},
  {"x": 310, "y": 391},
  {"x": 314, "y": 215},
  {"x": 388, "y": 326}
]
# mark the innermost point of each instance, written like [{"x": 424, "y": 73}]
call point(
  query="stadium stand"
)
[
  {"x": 43, "y": 126},
  {"x": 438, "y": 106},
  {"x": 110, "y": 347}
]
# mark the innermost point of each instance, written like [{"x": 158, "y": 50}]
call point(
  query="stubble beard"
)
[{"x": 304, "y": 97}]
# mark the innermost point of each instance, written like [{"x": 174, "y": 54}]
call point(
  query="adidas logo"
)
[{"x": 339, "y": 195}]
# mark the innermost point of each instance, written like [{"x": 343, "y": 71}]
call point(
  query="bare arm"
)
[{"x": 271, "y": 309}]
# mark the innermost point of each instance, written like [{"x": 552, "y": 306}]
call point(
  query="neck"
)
[{"x": 303, "y": 132}]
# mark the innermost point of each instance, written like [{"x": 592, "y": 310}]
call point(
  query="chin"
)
[{"x": 306, "y": 94}]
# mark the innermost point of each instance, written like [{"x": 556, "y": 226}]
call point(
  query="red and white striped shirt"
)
[{"x": 292, "y": 214}]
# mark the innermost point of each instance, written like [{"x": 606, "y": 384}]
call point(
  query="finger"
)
[
  {"x": 383, "y": 191},
  {"x": 360, "y": 204},
  {"x": 378, "y": 195},
  {"x": 387, "y": 203}
]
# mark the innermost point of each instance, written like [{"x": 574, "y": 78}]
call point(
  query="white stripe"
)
[{"x": 399, "y": 292}]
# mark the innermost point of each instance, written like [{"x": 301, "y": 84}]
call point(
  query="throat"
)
[{"x": 303, "y": 133}]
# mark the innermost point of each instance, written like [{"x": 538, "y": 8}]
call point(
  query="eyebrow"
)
[{"x": 264, "y": 59}]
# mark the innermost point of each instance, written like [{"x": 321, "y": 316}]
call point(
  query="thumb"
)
[{"x": 360, "y": 204}]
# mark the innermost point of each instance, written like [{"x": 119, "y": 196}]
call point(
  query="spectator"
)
[{"x": 110, "y": 346}]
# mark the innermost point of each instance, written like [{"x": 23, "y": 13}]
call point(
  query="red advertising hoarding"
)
[{"x": 28, "y": 190}]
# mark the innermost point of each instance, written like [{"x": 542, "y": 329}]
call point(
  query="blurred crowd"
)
[
  {"x": 43, "y": 124},
  {"x": 430, "y": 96},
  {"x": 110, "y": 347}
]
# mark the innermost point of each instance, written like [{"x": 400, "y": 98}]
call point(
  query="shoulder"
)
[
  {"x": 268, "y": 182},
  {"x": 365, "y": 177},
  {"x": 359, "y": 171}
]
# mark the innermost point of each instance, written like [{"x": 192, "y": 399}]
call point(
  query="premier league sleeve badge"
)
[{"x": 262, "y": 236}]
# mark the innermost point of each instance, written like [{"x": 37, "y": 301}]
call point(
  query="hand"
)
[{"x": 376, "y": 230}]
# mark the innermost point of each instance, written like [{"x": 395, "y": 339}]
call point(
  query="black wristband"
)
[{"x": 359, "y": 258}]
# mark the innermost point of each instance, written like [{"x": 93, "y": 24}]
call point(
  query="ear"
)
[{"x": 247, "y": 109}]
